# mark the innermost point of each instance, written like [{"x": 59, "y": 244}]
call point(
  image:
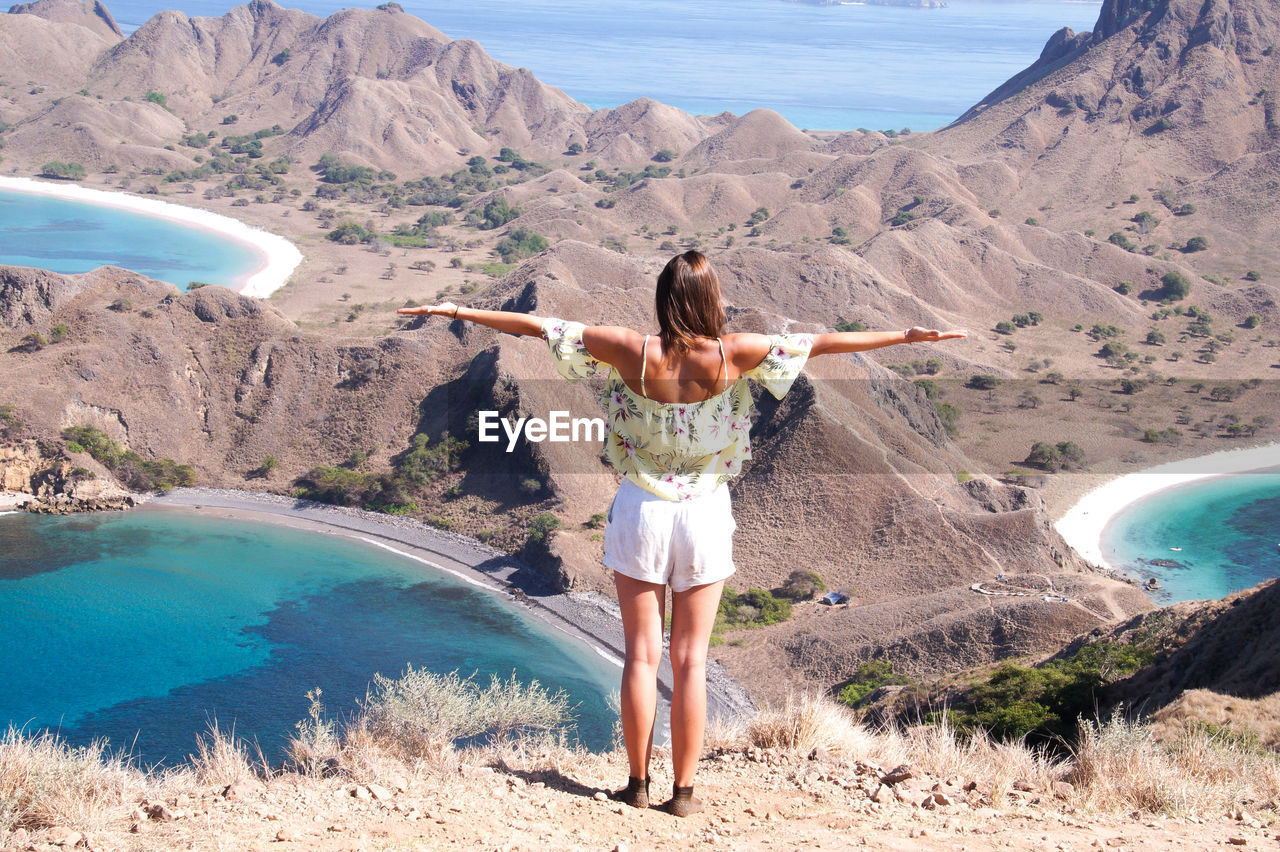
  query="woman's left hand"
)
[
  {"x": 446, "y": 309},
  {"x": 916, "y": 334}
]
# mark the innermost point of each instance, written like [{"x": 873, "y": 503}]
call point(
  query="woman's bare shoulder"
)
[
  {"x": 611, "y": 343},
  {"x": 745, "y": 349}
]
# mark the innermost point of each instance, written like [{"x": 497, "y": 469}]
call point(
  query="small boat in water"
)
[{"x": 1179, "y": 549}]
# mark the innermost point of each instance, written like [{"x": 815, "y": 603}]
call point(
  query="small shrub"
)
[
  {"x": 541, "y": 525},
  {"x": 63, "y": 171},
  {"x": 802, "y": 585}
]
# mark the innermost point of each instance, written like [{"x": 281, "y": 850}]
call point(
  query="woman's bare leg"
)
[
  {"x": 693, "y": 614},
  {"x": 643, "y": 606}
]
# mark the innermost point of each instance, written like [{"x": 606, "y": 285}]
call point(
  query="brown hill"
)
[
  {"x": 377, "y": 86},
  {"x": 1226, "y": 647},
  {"x": 90, "y": 14},
  {"x": 1173, "y": 96}
]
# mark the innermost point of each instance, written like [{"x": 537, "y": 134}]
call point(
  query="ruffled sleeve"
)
[
  {"x": 787, "y": 356},
  {"x": 564, "y": 339}
]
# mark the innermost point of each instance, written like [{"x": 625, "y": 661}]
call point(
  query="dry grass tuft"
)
[
  {"x": 803, "y": 723},
  {"x": 1121, "y": 766},
  {"x": 44, "y": 783},
  {"x": 222, "y": 759}
]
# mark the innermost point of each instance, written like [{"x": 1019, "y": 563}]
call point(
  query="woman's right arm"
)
[{"x": 508, "y": 321}]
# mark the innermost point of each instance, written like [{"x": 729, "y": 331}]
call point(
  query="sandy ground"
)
[
  {"x": 278, "y": 257},
  {"x": 589, "y": 618},
  {"x": 1083, "y": 524},
  {"x": 756, "y": 800}
]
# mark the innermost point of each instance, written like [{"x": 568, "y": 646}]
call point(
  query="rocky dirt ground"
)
[{"x": 755, "y": 799}]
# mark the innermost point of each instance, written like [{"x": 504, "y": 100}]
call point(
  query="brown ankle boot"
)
[
  {"x": 636, "y": 794},
  {"x": 682, "y": 802}
]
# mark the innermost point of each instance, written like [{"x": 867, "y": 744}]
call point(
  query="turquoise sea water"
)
[
  {"x": 142, "y": 626},
  {"x": 72, "y": 236},
  {"x": 823, "y": 67},
  {"x": 1226, "y": 531}
]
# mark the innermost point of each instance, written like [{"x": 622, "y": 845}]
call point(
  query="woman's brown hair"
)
[{"x": 688, "y": 301}]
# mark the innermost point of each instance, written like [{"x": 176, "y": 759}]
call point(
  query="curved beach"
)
[
  {"x": 278, "y": 257},
  {"x": 1083, "y": 524},
  {"x": 590, "y": 618}
]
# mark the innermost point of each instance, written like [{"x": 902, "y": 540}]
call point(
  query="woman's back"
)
[{"x": 706, "y": 368}]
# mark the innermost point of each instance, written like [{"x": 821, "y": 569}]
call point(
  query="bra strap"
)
[
  {"x": 644, "y": 358},
  {"x": 723, "y": 366}
]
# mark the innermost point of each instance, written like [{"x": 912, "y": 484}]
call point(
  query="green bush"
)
[
  {"x": 1119, "y": 239},
  {"x": 156, "y": 98},
  {"x": 131, "y": 469},
  {"x": 801, "y": 585},
  {"x": 983, "y": 381},
  {"x": 519, "y": 244},
  {"x": 1174, "y": 286},
  {"x": 541, "y": 525},
  {"x": 869, "y": 677},
  {"x": 949, "y": 415},
  {"x": 1045, "y": 701},
  {"x": 425, "y": 462},
  {"x": 1055, "y": 457},
  {"x": 62, "y": 171},
  {"x": 1196, "y": 244},
  {"x": 752, "y": 608},
  {"x": 496, "y": 213},
  {"x": 1005, "y": 327},
  {"x": 350, "y": 234}
]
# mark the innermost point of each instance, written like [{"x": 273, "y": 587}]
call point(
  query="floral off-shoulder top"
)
[{"x": 677, "y": 450}]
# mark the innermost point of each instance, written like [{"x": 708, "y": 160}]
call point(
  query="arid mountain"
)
[
  {"x": 377, "y": 86},
  {"x": 1001, "y": 215},
  {"x": 90, "y": 14},
  {"x": 1178, "y": 96}
]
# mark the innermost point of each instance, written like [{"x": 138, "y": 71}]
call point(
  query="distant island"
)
[{"x": 911, "y": 4}]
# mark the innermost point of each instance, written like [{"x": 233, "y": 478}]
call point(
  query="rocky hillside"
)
[
  {"x": 1178, "y": 97},
  {"x": 999, "y": 223}
]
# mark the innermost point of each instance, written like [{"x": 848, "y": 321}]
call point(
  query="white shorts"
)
[{"x": 681, "y": 543}]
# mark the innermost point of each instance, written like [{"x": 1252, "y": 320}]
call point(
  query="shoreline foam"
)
[
  {"x": 1083, "y": 524},
  {"x": 278, "y": 257}
]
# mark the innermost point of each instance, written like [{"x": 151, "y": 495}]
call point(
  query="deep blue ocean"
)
[
  {"x": 1223, "y": 533},
  {"x": 142, "y": 626},
  {"x": 822, "y": 67},
  {"x": 72, "y": 236}
]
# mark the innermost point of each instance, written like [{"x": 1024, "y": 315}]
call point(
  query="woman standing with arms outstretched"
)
[{"x": 679, "y": 419}]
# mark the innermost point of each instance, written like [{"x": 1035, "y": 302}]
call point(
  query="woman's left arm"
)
[
  {"x": 861, "y": 341},
  {"x": 508, "y": 321}
]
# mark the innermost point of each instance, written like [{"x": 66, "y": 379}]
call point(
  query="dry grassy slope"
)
[
  {"x": 57, "y": 53},
  {"x": 209, "y": 378},
  {"x": 90, "y": 14},
  {"x": 1081, "y": 131},
  {"x": 1225, "y": 646}
]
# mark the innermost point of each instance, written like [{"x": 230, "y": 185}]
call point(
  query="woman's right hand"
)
[{"x": 447, "y": 309}]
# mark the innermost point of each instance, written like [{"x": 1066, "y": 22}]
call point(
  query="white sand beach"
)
[
  {"x": 1083, "y": 524},
  {"x": 278, "y": 256},
  {"x": 11, "y": 500}
]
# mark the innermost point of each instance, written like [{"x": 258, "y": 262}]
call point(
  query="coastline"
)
[
  {"x": 590, "y": 618},
  {"x": 1083, "y": 524},
  {"x": 278, "y": 257}
]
